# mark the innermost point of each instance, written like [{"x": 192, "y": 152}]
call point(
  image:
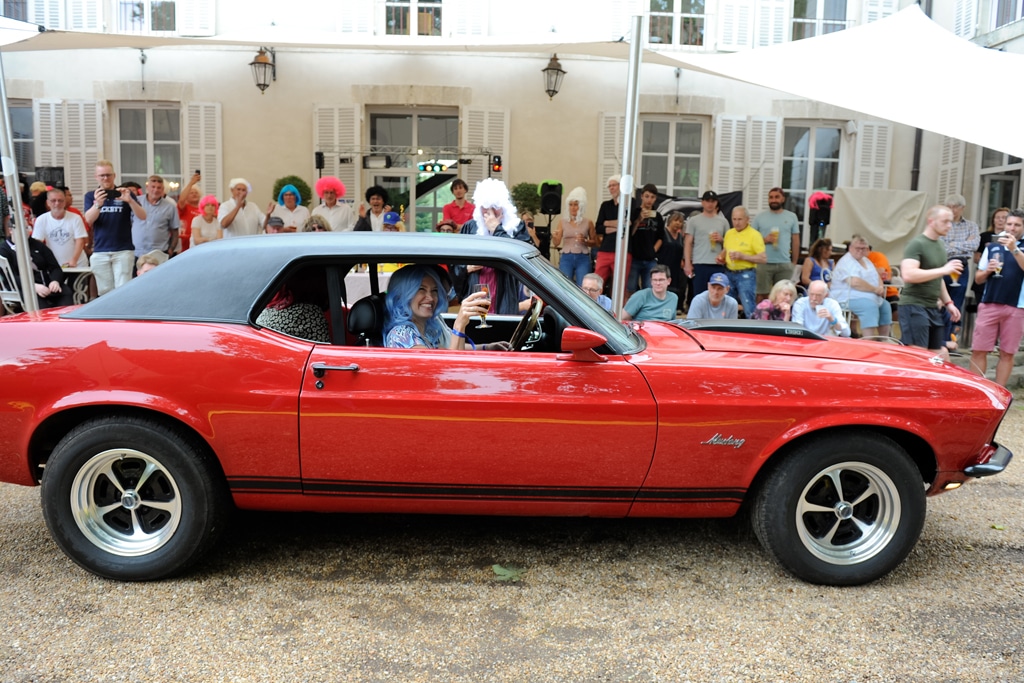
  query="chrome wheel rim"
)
[
  {"x": 848, "y": 513},
  {"x": 125, "y": 502}
]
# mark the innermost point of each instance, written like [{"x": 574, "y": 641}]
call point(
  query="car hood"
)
[{"x": 664, "y": 340}]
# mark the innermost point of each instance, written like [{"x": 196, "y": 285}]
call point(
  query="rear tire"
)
[
  {"x": 842, "y": 510},
  {"x": 132, "y": 499}
]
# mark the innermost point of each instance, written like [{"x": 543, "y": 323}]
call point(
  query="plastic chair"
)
[{"x": 9, "y": 292}]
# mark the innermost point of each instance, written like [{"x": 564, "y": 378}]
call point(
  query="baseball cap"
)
[
  {"x": 719, "y": 279},
  {"x": 709, "y": 196},
  {"x": 391, "y": 218},
  {"x": 275, "y": 221}
]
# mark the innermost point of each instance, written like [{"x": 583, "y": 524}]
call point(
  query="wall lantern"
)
[
  {"x": 264, "y": 68},
  {"x": 553, "y": 75}
]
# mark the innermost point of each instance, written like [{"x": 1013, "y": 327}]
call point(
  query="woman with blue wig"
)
[
  {"x": 289, "y": 209},
  {"x": 416, "y": 298}
]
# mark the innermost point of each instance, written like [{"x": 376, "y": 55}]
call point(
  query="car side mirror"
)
[{"x": 581, "y": 342}]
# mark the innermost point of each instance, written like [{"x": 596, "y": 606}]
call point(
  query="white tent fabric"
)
[
  {"x": 904, "y": 68},
  {"x": 888, "y": 219}
]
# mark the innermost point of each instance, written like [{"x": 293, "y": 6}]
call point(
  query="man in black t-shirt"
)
[{"x": 645, "y": 239}]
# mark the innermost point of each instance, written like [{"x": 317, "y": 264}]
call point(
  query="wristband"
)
[
  {"x": 462, "y": 335},
  {"x": 832, "y": 322},
  {"x": 948, "y": 303}
]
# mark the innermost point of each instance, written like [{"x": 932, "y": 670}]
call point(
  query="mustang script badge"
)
[{"x": 719, "y": 440}]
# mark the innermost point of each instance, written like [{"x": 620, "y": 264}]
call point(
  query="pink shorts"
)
[{"x": 998, "y": 321}]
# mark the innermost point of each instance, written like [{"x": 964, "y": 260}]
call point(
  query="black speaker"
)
[
  {"x": 551, "y": 198},
  {"x": 319, "y": 156}
]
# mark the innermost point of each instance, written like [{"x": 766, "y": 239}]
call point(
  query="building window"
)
[
  {"x": 810, "y": 162},
  {"x": 1001, "y": 182},
  {"x": 670, "y": 156},
  {"x": 818, "y": 17},
  {"x": 1007, "y": 12},
  {"x": 677, "y": 22},
  {"x": 16, "y": 9},
  {"x": 146, "y": 16},
  {"x": 412, "y": 17},
  {"x": 405, "y": 141},
  {"x": 23, "y": 132},
  {"x": 148, "y": 142}
]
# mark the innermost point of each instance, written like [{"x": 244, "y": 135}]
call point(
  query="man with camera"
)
[{"x": 109, "y": 209}]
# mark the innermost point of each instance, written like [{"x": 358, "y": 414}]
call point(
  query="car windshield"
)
[{"x": 619, "y": 336}]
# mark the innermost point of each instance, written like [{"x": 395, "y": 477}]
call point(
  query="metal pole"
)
[
  {"x": 628, "y": 153},
  {"x": 18, "y": 228}
]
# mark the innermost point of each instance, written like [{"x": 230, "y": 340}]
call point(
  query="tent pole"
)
[
  {"x": 628, "y": 154},
  {"x": 18, "y": 228}
]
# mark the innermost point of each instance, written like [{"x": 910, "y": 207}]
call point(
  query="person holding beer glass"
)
[
  {"x": 495, "y": 216},
  {"x": 417, "y": 296}
]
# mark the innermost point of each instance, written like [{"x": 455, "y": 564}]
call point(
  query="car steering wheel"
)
[{"x": 526, "y": 325}]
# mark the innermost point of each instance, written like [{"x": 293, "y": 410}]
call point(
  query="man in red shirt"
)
[
  {"x": 188, "y": 209},
  {"x": 459, "y": 211}
]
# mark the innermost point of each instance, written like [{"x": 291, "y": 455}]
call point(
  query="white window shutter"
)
[
  {"x": 357, "y": 16},
  {"x": 771, "y": 22},
  {"x": 84, "y": 121},
  {"x": 763, "y": 159},
  {"x": 736, "y": 25},
  {"x": 48, "y": 122},
  {"x": 965, "y": 18},
  {"x": 484, "y": 129},
  {"x": 950, "y": 168},
  {"x": 84, "y": 15},
  {"x": 874, "y": 150},
  {"x": 878, "y": 9},
  {"x": 336, "y": 133},
  {"x": 49, "y": 13},
  {"x": 611, "y": 136},
  {"x": 203, "y": 146},
  {"x": 196, "y": 17},
  {"x": 730, "y": 153},
  {"x": 465, "y": 17}
]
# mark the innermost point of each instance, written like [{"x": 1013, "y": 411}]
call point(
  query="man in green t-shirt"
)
[{"x": 924, "y": 295}]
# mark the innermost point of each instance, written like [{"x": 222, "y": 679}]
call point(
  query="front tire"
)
[
  {"x": 132, "y": 499},
  {"x": 842, "y": 510}
]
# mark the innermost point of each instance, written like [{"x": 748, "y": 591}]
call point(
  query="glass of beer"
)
[
  {"x": 997, "y": 260},
  {"x": 487, "y": 291}
]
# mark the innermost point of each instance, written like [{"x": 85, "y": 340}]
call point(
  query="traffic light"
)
[
  {"x": 432, "y": 167},
  {"x": 496, "y": 164}
]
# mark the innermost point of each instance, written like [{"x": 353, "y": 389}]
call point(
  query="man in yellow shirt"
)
[{"x": 744, "y": 249}]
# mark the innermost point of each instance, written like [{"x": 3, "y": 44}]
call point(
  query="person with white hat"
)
[{"x": 237, "y": 216}]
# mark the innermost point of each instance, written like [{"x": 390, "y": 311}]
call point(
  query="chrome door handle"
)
[{"x": 319, "y": 369}]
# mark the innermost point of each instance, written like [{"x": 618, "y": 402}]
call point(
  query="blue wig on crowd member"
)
[
  {"x": 285, "y": 190},
  {"x": 404, "y": 284}
]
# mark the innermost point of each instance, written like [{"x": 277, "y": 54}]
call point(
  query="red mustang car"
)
[{"x": 148, "y": 413}]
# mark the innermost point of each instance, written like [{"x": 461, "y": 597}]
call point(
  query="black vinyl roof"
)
[{"x": 220, "y": 281}]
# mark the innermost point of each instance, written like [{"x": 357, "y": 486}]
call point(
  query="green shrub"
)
[{"x": 525, "y": 197}]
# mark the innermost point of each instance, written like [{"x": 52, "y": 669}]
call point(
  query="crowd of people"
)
[{"x": 701, "y": 265}]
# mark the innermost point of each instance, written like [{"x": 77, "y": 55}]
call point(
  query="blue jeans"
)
[
  {"x": 744, "y": 289},
  {"x": 639, "y": 270},
  {"x": 574, "y": 266}
]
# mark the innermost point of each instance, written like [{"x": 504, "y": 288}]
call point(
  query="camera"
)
[{"x": 111, "y": 194}]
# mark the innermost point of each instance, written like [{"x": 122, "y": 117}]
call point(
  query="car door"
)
[{"x": 473, "y": 432}]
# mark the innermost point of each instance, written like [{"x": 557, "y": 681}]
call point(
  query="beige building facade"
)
[{"x": 379, "y": 108}]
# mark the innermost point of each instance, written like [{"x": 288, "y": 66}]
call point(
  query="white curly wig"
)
[
  {"x": 491, "y": 193},
  {"x": 578, "y": 194}
]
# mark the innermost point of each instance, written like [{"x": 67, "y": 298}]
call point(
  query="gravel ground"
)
[{"x": 363, "y": 598}]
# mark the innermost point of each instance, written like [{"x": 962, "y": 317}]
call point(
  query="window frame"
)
[
  {"x": 1017, "y": 13},
  {"x": 172, "y": 182},
  {"x": 415, "y": 9},
  {"x": 819, "y": 22},
  {"x": 800, "y": 207},
  {"x": 31, "y": 155},
  {"x": 147, "y": 18},
  {"x": 669, "y": 187},
  {"x": 678, "y": 18}
]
